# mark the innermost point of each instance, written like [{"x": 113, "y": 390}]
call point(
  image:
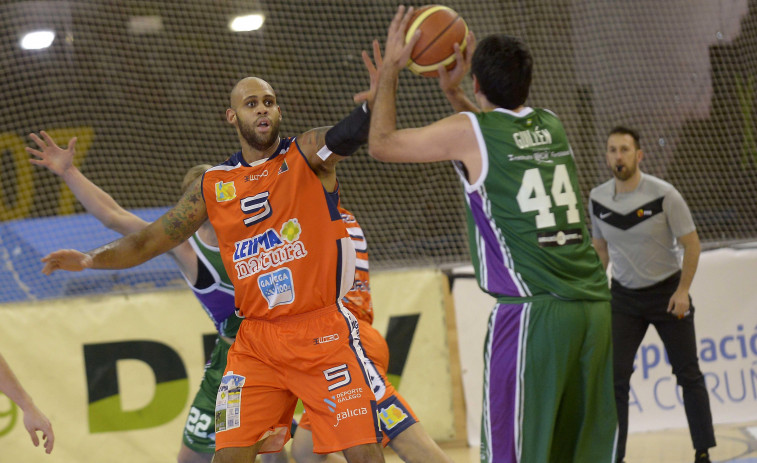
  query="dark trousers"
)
[{"x": 632, "y": 312}]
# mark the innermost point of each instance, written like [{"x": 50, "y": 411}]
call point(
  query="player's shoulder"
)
[
  {"x": 658, "y": 185},
  {"x": 234, "y": 161},
  {"x": 603, "y": 190}
]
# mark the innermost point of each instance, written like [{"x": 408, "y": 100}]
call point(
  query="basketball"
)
[{"x": 441, "y": 28}]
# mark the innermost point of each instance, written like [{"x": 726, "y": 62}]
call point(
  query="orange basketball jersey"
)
[
  {"x": 358, "y": 299},
  {"x": 281, "y": 236}
]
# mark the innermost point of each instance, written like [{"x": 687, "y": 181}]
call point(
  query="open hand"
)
[
  {"x": 450, "y": 80},
  {"x": 50, "y": 155},
  {"x": 66, "y": 259},
  {"x": 373, "y": 73},
  {"x": 397, "y": 52}
]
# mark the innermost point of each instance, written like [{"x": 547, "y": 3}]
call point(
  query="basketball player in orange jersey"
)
[
  {"x": 399, "y": 425},
  {"x": 290, "y": 260}
]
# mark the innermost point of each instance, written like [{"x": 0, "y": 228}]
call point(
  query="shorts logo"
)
[
  {"x": 229, "y": 402},
  {"x": 331, "y": 404},
  {"x": 225, "y": 191},
  {"x": 349, "y": 414},
  {"x": 354, "y": 393},
  {"x": 391, "y": 416},
  {"x": 325, "y": 339},
  {"x": 277, "y": 287}
]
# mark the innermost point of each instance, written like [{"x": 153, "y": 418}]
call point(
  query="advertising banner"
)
[{"x": 725, "y": 300}]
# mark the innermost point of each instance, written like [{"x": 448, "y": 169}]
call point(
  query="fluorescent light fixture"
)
[
  {"x": 140, "y": 25},
  {"x": 250, "y": 22},
  {"x": 37, "y": 40}
]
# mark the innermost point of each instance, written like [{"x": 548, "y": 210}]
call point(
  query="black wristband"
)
[{"x": 348, "y": 134}]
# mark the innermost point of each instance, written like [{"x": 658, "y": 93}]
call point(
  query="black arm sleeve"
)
[{"x": 348, "y": 134}]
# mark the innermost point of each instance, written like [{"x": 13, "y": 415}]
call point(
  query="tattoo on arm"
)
[
  {"x": 186, "y": 217},
  {"x": 314, "y": 139}
]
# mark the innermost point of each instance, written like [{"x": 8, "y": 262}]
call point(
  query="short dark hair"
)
[
  {"x": 503, "y": 66},
  {"x": 622, "y": 130}
]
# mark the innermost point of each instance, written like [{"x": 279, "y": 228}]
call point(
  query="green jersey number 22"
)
[{"x": 532, "y": 196}]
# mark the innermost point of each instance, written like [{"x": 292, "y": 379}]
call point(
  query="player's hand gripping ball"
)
[{"x": 441, "y": 28}]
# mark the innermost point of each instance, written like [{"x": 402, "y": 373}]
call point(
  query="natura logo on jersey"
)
[{"x": 269, "y": 249}]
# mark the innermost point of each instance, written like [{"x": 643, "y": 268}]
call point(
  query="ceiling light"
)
[
  {"x": 250, "y": 22},
  {"x": 37, "y": 40}
]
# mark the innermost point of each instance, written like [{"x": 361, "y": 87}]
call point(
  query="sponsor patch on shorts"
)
[
  {"x": 394, "y": 417},
  {"x": 229, "y": 402}
]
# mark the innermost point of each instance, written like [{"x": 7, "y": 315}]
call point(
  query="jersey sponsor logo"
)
[
  {"x": 225, "y": 191},
  {"x": 252, "y": 178},
  {"x": 391, "y": 416},
  {"x": 269, "y": 249},
  {"x": 560, "y": 238},
  {"x": 341, "y": 416},
  {"x": 277, "y": 287},
  {"x": 529, "y": 138},
  {"x": 643, "y": 213}
]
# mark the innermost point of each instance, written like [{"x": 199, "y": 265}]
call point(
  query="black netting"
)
[{"x": 149, "y": 105}]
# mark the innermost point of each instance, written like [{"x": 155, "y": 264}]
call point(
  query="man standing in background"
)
[{"x": 638, "y": 221}]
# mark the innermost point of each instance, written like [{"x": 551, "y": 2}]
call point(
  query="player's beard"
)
[
  {"x": 258, "y": 141},
  {"x": 626, "y": 173}
]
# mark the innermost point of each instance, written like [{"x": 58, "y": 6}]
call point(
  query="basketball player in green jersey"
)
[{"x": 548, "y": 394}]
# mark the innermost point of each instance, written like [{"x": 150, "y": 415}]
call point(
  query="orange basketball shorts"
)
[
  {"x": 394, "y": 414},
  {"x": 315, "y": 356}
]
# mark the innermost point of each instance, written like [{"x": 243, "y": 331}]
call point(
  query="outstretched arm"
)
[
  {"x": 98, "y": 202},
  {"x": 34, "y": 419},
  {"x": 171, "y": 229},
  {"x": 451, "y": 138},
  {"x": 325, "y": 146}
]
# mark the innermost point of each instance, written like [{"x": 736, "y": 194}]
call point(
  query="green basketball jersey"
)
[
  {"x": 526, "y": 227},
  {"x": 218, "y": 298}
]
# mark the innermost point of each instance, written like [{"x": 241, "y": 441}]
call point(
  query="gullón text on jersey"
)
[
  {"x": 269, "y": 249},
  {"x": 528, "y": 138}
]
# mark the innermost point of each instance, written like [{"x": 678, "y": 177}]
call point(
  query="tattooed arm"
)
[
  {"x": 174, "y": 227},
  {"x": 310, "y": 143}
]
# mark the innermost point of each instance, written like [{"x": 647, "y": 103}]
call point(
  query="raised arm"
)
[
  {"x": 170, "y": 230},
  {"x": 451, "y": 138},
  {"x": 449, "y": 81},
  {"x": 96, "y": 201},
  {"x": 34, "y": 419},
  {"x": 325, "y": 146}
]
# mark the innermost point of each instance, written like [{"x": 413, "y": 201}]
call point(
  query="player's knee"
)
[{"x": 367, "y": 453}]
